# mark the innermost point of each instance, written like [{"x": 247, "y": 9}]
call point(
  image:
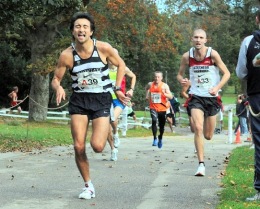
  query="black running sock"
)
[{"x": 202, "y": 162}]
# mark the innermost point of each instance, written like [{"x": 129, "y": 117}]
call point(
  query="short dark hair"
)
[{"x": 85, "y": 15}]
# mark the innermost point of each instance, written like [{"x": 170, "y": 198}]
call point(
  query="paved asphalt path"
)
[{"x": 144, "y": 177}]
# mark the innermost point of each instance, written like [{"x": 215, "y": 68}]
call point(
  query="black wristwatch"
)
[{"x": 117, "y": 88}]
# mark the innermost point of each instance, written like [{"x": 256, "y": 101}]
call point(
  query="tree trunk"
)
[
  {"x": 39, "y": 97},
  {"x": 40, "y": 41}
]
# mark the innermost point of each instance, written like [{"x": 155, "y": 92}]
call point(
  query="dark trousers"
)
[
  {"x": 254, "y": 102},
  {"x": 161, "y": 117},
  {"x": 237, "y": 126}
]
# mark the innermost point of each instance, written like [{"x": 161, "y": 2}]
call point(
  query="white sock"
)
[{"x": 88, "y": 183}]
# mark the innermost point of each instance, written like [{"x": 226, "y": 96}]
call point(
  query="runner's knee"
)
[
  {"x": 198, "y": 128},
  {"x": 79, "y": 149},
  {"x": 208, "y": 136},
  {"x": 97, "y": 147}
]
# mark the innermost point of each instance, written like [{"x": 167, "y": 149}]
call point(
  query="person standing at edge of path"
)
[
  {"x": 14, "y": 100},
  {"x": 242, "y": 114},
  {"x": 204, "y": 65},
  {"x": 175, "y": 104},
  {"x": 248, "y": 68},
  {"x": 87, "y": 61},
  {"x": 158, "y": 93},
  {"x": 118, "y": 107}
]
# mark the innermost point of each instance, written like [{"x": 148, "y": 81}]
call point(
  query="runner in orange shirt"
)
[{"x": 158, "y": 93}]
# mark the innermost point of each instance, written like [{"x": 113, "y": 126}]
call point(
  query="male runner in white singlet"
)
[{"x": 204, "y": 65}]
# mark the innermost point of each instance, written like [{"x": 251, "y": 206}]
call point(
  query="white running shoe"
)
[
  {"x": 116, "y": 140},
  {"x": 114, "y": 154},
  {"x": 201, "y": 170},
  {"x": 88, "y": 193},
  {"x": 254, "y": 198},
  {"x": 124, "y": 133}
]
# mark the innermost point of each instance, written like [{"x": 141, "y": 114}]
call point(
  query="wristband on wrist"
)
[
  {"x": 132, "y": 89},
  {"x": 117, "y": 88}
]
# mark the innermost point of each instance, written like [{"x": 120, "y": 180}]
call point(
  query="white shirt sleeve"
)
[{"x": 241, "y": 69}]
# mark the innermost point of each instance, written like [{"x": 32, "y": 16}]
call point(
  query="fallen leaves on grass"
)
[{"x": 10, "y": 145}]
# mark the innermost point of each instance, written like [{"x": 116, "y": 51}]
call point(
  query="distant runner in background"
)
[
  {"x": 131, "y": 112},
  {"x": 118, "y": 107},
  {"x": 158, "y": 93},
  {"x": 14, "y": 100},
  {"x": 175, "y": 104}
]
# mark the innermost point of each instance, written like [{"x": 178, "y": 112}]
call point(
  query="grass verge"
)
[
  {"x": 20, "y": 135},
  {"x": 238, "y": 181}
]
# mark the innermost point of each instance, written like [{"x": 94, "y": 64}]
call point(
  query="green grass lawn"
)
[
  {"x": 18, "y": 134},
  {"x": 238, "y": 181},
  {"x": 23, "y": 136},
  {"x": 229, "y": 99}
]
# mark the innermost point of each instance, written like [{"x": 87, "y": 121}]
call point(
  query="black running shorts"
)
[
  {"x": 94, "y": 105},
  {"x": 131, "y": 114},
  {"x": 209, "y": 105}
]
